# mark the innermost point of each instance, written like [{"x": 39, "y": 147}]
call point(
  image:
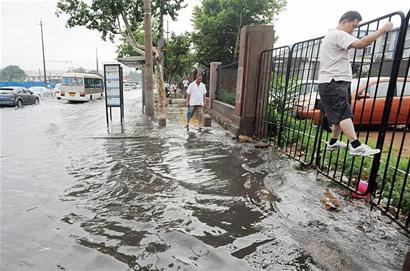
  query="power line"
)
[
  {"x": 64, "y": 61},
  {"x": 44, "y": 10},
  {"x": 23, "y": 15}
]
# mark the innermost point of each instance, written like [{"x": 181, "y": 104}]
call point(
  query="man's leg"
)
[
  {"x": 357, "y": 148},
  {"x": 199, "y": 115},
  {"x": 347, "y": 127},
  {"x": 336, "y": 131},
  {"x": 335, "y": 143},
  {"x": 189, "y": 116}
]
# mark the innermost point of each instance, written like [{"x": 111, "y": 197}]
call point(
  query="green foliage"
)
[
  {"x": 226, "y": 96},
  {"x": 95, "y": 72},
  {"x": 12, "y": 73},
  {"x": 109, "y": 17},
  {"x": 178, "y": 57},
  {"x": 125, "y": 48},
  {"x": 218, "y": 24}
]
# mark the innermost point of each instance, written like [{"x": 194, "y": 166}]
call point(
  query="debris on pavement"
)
[
  {"x": 244, "y": 139},
  {"x": 330, "y": 201}
]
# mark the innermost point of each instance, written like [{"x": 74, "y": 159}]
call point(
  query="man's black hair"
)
[{"x": 350, "y": 16}]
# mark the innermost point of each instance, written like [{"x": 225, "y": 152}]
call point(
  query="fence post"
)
[
  {"x": 254, "y": 40},
  {"x": 387, "y": 107},
  {"x": 213, "y": 77}
]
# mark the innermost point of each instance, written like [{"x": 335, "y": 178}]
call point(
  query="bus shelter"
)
[{"x": 138, "y": 63}]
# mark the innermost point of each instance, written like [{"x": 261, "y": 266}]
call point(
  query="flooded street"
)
[{"x": 76, "y": 198}]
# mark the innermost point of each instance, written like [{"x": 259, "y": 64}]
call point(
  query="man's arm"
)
[
  {"x": 369, "y": 39},
  {"x": 188, "y": 96}
]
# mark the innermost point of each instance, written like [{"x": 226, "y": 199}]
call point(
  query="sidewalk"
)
[{"x": 217, "y": 204}]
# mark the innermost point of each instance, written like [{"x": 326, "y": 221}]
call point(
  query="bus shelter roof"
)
[{"x": 132, "y": 61}]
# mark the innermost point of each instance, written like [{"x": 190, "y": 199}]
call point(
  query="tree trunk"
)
[
  {"x": 162, "y": 99},
  {"x": 148, "y": 59},
  {"x": 238, "y": 36}
]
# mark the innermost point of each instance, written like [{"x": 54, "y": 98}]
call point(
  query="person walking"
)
[
  {"x": 185, "y": 84},
  {"x": 195, "y": 100},
  {"x": 335, "y": 76}
]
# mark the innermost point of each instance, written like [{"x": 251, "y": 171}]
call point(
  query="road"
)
[{"x": 76, "y": 198}]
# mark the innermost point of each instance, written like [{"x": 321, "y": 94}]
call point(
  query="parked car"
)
[
  {"x": 305, "y": 98},
  {"x": 57, "y": 92},
  {"x": 17, "y": 96},
  {"x": 42, "y": 92},
  {"x": 127, "y": 86},
  {"x": 368, "y": 100}
]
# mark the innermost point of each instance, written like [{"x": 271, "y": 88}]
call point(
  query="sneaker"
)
[
  {"x": 336, "y": 146},
  {"x": 363, "y": 150},
  {"x": 187, "y": 127},
  {"x": 199, "y": 129}
]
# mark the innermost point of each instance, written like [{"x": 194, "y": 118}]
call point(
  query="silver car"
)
[
  {"x": 42, "y": 92},
  {"x": 17, "y": 96}
]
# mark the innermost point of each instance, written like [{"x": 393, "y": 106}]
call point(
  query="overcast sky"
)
[{"x": 76, "y": 47}]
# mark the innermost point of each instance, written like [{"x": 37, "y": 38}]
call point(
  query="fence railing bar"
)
[
  {"x": 297, "y": 98},
  {"x": 310, "y": 90},
  {"x": 392, "y": 83}
]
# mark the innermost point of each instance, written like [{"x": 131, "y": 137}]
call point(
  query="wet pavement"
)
[{"x": 76, "y": 198}]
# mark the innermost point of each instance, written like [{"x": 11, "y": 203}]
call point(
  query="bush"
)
[{"x": 225, "y": 96}]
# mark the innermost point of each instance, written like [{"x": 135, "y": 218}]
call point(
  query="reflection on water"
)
[
  {"x": 164, "y": 199},
  {"x": 148, "y": 193}
]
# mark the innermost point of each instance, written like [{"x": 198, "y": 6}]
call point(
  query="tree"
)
[
  {"x": 113, "y": 18},
  {"x": 218, "y": 24},
  {"x": 12, "y": 73},
  {"x": 125, "y": 48},
  {"x": 120, "y": 17},
  {"x": 178, "y": 56},
  {"x": 79, "y": 70},
  {"x": 94, "y": 72}
]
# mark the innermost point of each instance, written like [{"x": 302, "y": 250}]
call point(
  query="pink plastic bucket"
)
[{"x": 361, "y": 189}]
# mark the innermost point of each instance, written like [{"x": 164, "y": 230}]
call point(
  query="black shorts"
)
[{"x": 336, "y": 99}]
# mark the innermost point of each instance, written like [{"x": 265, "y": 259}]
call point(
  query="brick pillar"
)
[
  {"x": 254, "y": 39},
  {"x": 213, "y": 77}
]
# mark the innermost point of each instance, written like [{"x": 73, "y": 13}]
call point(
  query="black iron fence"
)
[
  {"x": 226, "y": 83},
  {"x": 289, "y": 114}
]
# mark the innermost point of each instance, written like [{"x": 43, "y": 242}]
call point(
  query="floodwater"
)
[{"x": 74, "y": 197}]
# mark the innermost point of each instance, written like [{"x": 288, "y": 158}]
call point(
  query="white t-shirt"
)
[
  {"x": 334, "y": 57},
  {"x": 196, "y": 93}
]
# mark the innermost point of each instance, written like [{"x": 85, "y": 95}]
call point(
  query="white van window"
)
[{"x": 72, "y": 81}]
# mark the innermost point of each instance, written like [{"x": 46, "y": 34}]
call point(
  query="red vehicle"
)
[{"x": 366, "y": 94}]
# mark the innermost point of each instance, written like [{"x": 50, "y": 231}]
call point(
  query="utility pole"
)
[
  {"x": 161, "y": 38},
  {"x": 96, "y": 60},
  {"x": 167, "y": 29},
  {"x": 44, "y": 58},
  {"x": 148, "y": 59}
]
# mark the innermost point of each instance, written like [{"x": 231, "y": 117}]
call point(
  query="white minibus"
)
[{"x": 81, "y": 87}]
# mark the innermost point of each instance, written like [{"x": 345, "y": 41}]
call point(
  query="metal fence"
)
[
  {"x": 289, "y": 114},
  {"x": 27, "y": 84},
  {"x": 226, "y": 83}
]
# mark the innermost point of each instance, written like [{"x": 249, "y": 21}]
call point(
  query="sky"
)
[{"x": 76, "y": 47}]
